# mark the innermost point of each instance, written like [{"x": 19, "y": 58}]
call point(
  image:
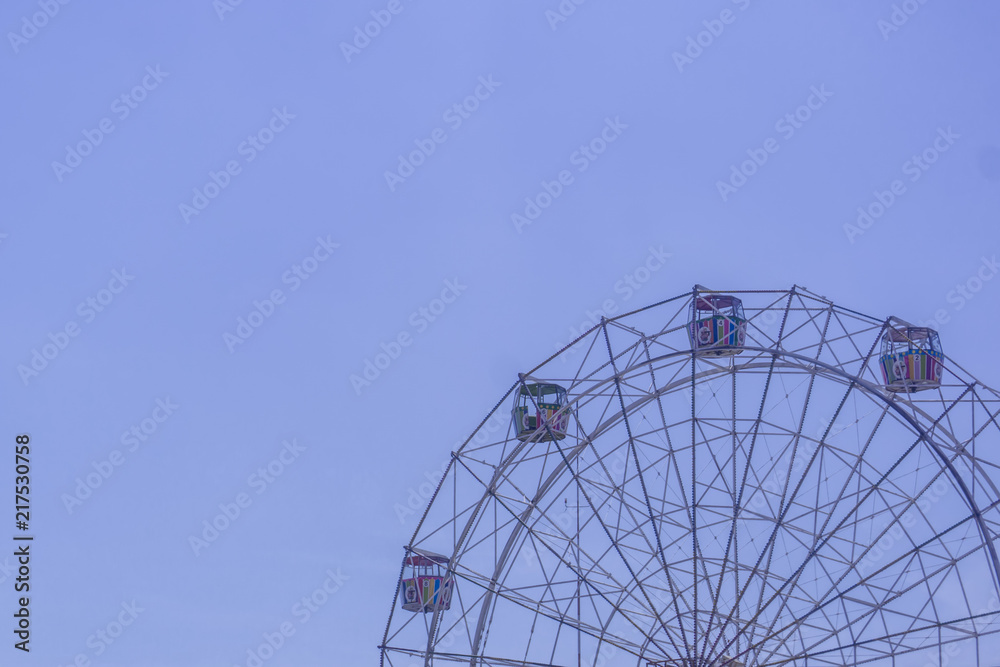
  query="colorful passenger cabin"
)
[
  {"x": 541, "y": 412},
  {"x": 717, "y": 326},
  {"x": 911, "y": 359},
  {"x": 426, "y": 586}
]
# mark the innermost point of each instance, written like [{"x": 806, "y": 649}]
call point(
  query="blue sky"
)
[{"x": 730, "y": 144}]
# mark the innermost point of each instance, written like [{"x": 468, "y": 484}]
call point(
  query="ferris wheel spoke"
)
[
  {"x": 785, "y": 503},
  {"x": 675, "y": 466},
  {"x": 968, "y": 494},
  {"x": 784, "y": 506},
  {"x": 890, "y": 594},
  {"x": 658, "y": 554},
  {"x": 710, "y": 474},
  {"x": 896, "y": 642},
  {"x": 818, "y": 529},
  {"x": 900, "y": 650},
  {"x": 551, "y": 612},
  {"x": 693, "y": 509},
  {"x": 918, "y": 551},
  {"x": 733, "y": 539},
  {"x": 614, "y": 543}
]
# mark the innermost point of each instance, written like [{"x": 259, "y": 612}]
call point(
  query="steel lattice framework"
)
[{"x": 777, "y": 507}]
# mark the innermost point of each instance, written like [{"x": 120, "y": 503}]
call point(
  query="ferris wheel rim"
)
[{"x": 892, "y": 401}]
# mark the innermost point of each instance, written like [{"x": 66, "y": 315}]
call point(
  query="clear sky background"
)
[{"x": 256, "y": 136}]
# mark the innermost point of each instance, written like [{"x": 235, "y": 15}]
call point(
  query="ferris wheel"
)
[{"x": 743, "y": 479}]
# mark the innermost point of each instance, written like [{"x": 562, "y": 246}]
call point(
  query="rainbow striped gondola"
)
[{"x": 911, "y": 359}]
